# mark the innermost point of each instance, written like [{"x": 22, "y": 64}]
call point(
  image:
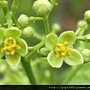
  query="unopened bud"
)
[
  {"x": 87, "y": 15},
  {"x": 54, "y": 2},
  {"x": 56, "y": 28},
  {"x": 42, "y": 7},
  {"x": 44, "y": 51},
  {"x": 82, "y": 24},
  {"x": 3, "y": 3},
  {"x": 86, "y": 54},
  {"x": 28, "y": 32},
  {"x": 23, "y": 20}
]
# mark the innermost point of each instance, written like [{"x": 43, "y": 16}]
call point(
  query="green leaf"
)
[
  {"x": 53, "y": 61},
  {"x": 68, "y": 36},
  {"x": 13, "y": 60},
  {"x": 23, "y": 47},
  {"x": 75, "y": 58},
  {"x": 2, "y": 16},
  {"x": 13, "y": 32},
  {"x": 50, "y": 41}
]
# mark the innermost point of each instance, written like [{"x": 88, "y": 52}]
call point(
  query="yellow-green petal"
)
[
  {"x": 75, "y": 58},
  {"x": 53, "y": 61},
  {"x": 23, "y": 47},
  {"x": 68, "y": 36},
  {"x": 50, "y": 41},
  {"x": 13, "y": 32},
  {"x": 13, "y": 60},
  {"x": 1, "y": 49},
  {"x": 1, "y": 54}
]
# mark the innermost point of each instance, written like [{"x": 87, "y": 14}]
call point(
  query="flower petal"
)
[
  {"x": 75, "y": 59},
  {"x": 23, "y": 47},
  {"x": 1, "y": 55},
  {"x": 50, "y": 41},
  {"x": 13, "y": 60},
  {"x": 68, "y": 36},
  {"x": 53, "y": 61},
  {"x": 13, "y": 32},
  {"x": 1, "y": 49}
]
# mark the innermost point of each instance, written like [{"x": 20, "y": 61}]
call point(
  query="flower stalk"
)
[
  {"x": 28, "y": 70},
  {"x": 72, "y": 74},
  {"x": 46, "y": 24}
]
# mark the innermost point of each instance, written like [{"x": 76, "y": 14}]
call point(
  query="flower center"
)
[
  {"x": 62, "y": 50},
  {"x": 10, "y": 46}
]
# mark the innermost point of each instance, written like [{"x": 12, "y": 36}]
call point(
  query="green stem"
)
[
  {"x": 8, "y": 15},
  {"x": 9, "y": 19},
  {"x": 78, "y": 31},
  {"x": 82, "y": 32},
  {"x": 27, "y": 67},
  {"x": 34, "y": 52},
  {"x": 14, "y": 8},
  {"x": 37, "y": 36},
  {"x": 71, "y": 75},
  {"x": 81, "y": 38},
  {"x": 46, "y": 24},
  {"x": 30, "y": 48},
  {"x": 32, "y": 18}
]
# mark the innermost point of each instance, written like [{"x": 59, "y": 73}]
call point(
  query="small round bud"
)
[
  {"x": 54, "y": 2},
  {"x": 86, "y": 54},
  {"x": 82, "y": 24},
  {"x": 87, "y": 15},
  {"x": 23, "y": 20},
  {"x": 44, "y": 51},
  {"x": 56, "y": 28},
  {"x": 42, "y": 7},
  {"x": 28, "y": 32},
  {"x": 3, "y": 3},
  {"x": 87, "y": 37}
]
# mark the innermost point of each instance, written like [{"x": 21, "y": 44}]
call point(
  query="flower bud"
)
[
  {"x": 54, "y": 2},
  {"x": 87, "y": 15},
  {"x": 28, "y": 32},
  {"x": 42, "y": 7},
  {"x": 82, "y": 24},
  {"x": 86, "y": 54},
  {"x": 87, "y": 36},
  {"x": 3, "y": 3},
  {"x": 23, "y": 20},
  {"x": 56, "y": 28},
  {"x": 44, "y": 51}
]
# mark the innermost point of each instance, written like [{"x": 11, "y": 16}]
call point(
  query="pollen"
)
[
  {"x": 10, "y": 46},
  {"x": 62, "y": 49}
]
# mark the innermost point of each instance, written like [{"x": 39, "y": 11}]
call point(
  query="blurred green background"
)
[{"x": 67, "y": 14}]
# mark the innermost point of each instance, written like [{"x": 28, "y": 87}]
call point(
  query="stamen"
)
[
  {"x": 10, "y": 46},
  {"x": 62, "y": 50}
]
